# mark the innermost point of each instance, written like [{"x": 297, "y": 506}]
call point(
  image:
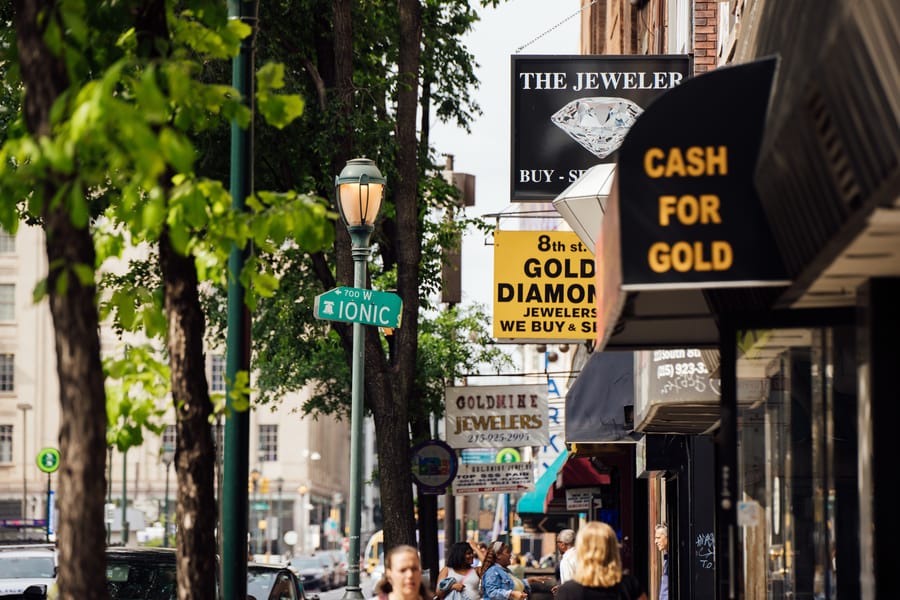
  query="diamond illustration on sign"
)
[{"x": 598, "y": 124}]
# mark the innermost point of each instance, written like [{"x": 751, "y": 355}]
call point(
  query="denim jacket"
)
[{"x": 497, "y": 583}]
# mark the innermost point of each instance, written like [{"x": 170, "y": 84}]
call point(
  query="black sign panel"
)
[
  {"x": 570, "y": 113},
  {"x": 688, "y": 211}
]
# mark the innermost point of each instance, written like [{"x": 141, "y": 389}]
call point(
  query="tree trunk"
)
[
  {"x": 82, "y": 439},
  {"x": 194, "y": 454},
  {"x": 396, "y": 479}
]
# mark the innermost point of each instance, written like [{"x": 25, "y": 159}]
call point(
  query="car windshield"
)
[
  {"x": 26, "y": 567},
  {"x": 268, "y": 584},
  {"x": 306, "y": 563},
  {"x": 141, "y": 581}
]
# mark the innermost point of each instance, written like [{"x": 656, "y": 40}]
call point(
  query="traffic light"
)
[{"x": 264, "y": 485}]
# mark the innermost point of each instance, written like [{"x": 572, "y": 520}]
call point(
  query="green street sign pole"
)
[{"x": 48, "y": 461}]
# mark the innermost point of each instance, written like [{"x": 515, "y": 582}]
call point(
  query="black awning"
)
[{"x": 597, "y": 403}]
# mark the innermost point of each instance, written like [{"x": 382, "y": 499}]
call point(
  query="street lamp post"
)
[
  {"x": 304, "y": 525},
  {"x": 278, "y": 529},
  {"x": 24, "y": 407},
  {"x": 168, "y": 455},
  {"x": 359, "y": 191},
  {"x": 255, "y": 477}
]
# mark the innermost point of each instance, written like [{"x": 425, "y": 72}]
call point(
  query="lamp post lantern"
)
[{"x": 359, "y": 190}]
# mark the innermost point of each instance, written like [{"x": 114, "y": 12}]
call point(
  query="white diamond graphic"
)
[{"x": 598, "y": 124}]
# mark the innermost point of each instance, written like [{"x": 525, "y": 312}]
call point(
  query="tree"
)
[
  {"x": 104, "y": 159},
  {"x": 371, "y": 71}
]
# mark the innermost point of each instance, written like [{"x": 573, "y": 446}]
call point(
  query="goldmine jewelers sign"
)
[
  {"x": 571, "y": 112},
  {"x": 543, "y": 286},
  {"x": 488, "y": 416},
  {"x": 497, "y": 478}
]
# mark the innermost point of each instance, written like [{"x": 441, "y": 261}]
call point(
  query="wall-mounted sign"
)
[
  {"x": 688, "y": 211},
  {"x": 434, "y": 466},
  {"x": 497, "y": 478},
  {"x": 488, "y": 416},
  {"x": 543, "y": 286},
  {"x": 571, "y": 112},
  {"x": 580, "y": 498}
]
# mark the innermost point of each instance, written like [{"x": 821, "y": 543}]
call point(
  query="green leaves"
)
[{"x": 277, "y": 110}]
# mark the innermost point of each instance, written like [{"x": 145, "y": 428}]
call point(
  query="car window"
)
[
  {"x": 271, "y": 585},
  {"x": 141, "y": 582},
  {"x": 27, "y": 567}
]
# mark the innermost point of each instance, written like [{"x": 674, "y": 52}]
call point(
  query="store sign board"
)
[
  {"x": 543, "y": 286},
  {"x": 688, "y": 212},
  {"x": 497, "y": 416},
  {"x": 570, "y": 112},
  {"x": 496, "y": 478}
]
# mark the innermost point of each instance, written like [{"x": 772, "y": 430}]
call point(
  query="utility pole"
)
[{"x": 233, "y": 566}]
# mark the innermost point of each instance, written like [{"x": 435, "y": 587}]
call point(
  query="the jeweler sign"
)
[
  {"x": 571, "y": 112},
  {"x": 544, "y": 286},
  {"x": 501, "y": 416}
]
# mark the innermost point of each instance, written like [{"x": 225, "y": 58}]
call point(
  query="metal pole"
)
[
  {"x": 24, "y": 407},
  {"x": 49, "y": 508},
  {"x": 166, "y": 509},
  {"x": 360, "y": 238},
  {"x": 124, "y": 498},
  {"x": 278, "y": 516},
  {"x": 233, "y": 565}
]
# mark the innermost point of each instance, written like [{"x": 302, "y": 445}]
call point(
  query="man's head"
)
[
  {"x": 565, "y": 539},
  {"x": 662, "y": 537}
]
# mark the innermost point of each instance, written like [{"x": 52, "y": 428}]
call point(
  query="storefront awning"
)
[
  {"x": 533, "y": 501},
  {"x": 599, "y": 403},
  {"x": 578, "y": 472},
  {"x": 684, "y": 235}
]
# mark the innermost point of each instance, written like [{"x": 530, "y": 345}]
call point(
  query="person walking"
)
[
  {"x": 565, "y": 541},
  {"x": 662, "y": 544},
  {"x": 598, "y": 571},
  {"x": 459, "y": 574},
  {"x": 497, "y": 583},
  {"x": 402, "y": 578}
]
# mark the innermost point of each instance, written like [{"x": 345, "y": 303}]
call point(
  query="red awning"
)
[{"x": 578, "y": 472}]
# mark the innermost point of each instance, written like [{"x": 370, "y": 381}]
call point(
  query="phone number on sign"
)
[{"x": 500, "y": 436}]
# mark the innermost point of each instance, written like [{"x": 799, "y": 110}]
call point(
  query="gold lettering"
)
[{"x": 650, "y": 168}]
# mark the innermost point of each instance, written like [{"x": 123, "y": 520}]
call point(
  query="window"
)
[
  {"x": 217, "y": 373},
  {"x": 6, "y": 444},
  {"x": 7, "y": 242},
  {"x": 7, "y": 302},
  {"x": 268, "y": 443},
  {"x": 168, "y": 439},
  {"x": 7, "y": 372}
]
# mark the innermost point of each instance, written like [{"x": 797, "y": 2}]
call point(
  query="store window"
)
[{"x": 796, "y": 425}]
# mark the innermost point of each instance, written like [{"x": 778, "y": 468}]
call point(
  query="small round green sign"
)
[
  {"x": 48, "y": 460},
  {"x": 508, "y": 455}
]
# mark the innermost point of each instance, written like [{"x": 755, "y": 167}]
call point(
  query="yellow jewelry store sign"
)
[{"x": 543, "y": 286}]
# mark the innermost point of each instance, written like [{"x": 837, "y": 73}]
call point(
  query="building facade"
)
[{"x": 298, "y": 467}]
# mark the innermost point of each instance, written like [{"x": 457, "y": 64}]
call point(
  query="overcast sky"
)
[{"x": 543, "y": 27}]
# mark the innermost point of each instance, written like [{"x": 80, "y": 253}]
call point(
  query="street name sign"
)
[{"x": 358, "y": 305}]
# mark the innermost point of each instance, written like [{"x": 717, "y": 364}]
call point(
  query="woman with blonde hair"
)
[{"x": 598, "y": 570}]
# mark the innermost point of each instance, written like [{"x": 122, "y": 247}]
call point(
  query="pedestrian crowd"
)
[{"x": 590, "y": 568}]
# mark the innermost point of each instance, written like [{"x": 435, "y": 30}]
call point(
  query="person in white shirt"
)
[{"x": 565, "y": 542}]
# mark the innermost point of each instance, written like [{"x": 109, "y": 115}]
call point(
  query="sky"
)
[{"x": 542, "y": 27}]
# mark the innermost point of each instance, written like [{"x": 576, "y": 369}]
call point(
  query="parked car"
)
[
  {"x": 25, "y": 566},
  {"x": 149, "y": 574},
  {"x": 340, "y": 567},
  {"x": 312, "y": 572},
  {"x": 331, "y": 568}
]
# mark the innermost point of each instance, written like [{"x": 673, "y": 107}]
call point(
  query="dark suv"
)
[{"x": 149, "y": 574}]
